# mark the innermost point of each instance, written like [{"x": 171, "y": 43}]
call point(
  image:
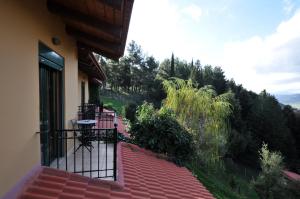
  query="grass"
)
[
  {"x": 218, "y": 183},
  {"x": 118, "y": 100},
  {"x": 117, "y": 105}
]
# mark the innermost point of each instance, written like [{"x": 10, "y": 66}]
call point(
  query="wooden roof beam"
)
[
  {"x": 126, "y": 20},
  {"x": 115, "y": 46},
  {"x": 93, "y": 69},
  {"x": 96, "y": 45},
  {"x": 75, "y": 15},
  {"x": 116, "y": 4},
  {"x": 114, "y": 56},
  {"x": 99, "y": 68}
]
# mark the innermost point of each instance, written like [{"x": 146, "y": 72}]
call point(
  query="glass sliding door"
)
[
  {"x": 51, "y": 110},
  {"x": 82, "y": 93}
]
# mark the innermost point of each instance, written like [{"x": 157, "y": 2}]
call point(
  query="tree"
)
[
  {"x": 135, "y": 59},
  {"x": 172, "y": 68},
  {"x": 208, "y": 75},
  {"x": 196, "y": 74},
  {"x": 203, "y": 113},
  {"x": 164, "y": 68},
  {"x": 135, "y": 53},
  {"x": 292, "y": 121},
  {"x": 149, "y": 72},
  {"x": 215, "y": 76},
  {"x": 267, "y": 123},
  {"x": 239, "y": 136},
  {"x": 253, "y": 118},
  {"x": 125, "y": 78},
  {"x": 181, "y": 69},
  {"x": 270, "y": 184},
  {"x": 219, "y": 81},
  {"x": 114, "y": 74}
]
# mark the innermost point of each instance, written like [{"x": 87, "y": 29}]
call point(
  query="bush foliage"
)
[
  {"x": 130, "y": 110},
  {"x": 204, "y": 114},
  {"x": 160, "y": 132},
  {"x": 270, "y": 184}
]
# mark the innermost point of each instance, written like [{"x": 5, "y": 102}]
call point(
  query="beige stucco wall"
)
[
  {"x": 82, "y": 77},
  {"x": 23, "y": 23}
]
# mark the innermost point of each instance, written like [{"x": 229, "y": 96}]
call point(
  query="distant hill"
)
[{"x": 292, "y": 99}]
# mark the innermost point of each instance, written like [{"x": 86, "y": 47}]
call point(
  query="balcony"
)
[{"x": 86, "y": 150}]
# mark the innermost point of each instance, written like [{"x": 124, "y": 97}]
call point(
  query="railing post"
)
[{"x": 115, "y": 150}]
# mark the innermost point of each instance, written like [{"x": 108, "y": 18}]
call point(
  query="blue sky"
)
[{"x": 256, "y": 42}]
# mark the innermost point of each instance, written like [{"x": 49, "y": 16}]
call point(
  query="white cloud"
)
[
  {"x": 271, "y": 62},
  {"x": 159, "y": 26},
  {"x": 193, "y": 11},
  {"x": 288, "y": 6},
  {"x": 155, "y": 26}
]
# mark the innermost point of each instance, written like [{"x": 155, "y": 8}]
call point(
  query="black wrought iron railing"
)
[
  {"x": 87, "y": 151},
  {"x": 106, "y": 119},
  {"x": 86, "y": 106},
  {"x": 87, "y": 111}
]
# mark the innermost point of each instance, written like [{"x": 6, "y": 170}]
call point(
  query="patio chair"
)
[
  {"x": 89, "y": 113},
  {"x": 74, "y": 124},
  {"x": 85, "y": 137},
  {"x": 85, "y": 140}
]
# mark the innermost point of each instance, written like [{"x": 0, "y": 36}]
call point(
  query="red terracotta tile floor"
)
[{"x": 141, "y": 174}]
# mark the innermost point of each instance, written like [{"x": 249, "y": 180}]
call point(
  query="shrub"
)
[
  {"x": 293, "y": 188},
  {"x": 160, "y": 132},
  {"x": 109, "y": 107},
  {"x": 130, "y": 110},
  {"x": 145, "y": 112},
  {"x": 232, "y": 182},
  {"x": 270, "y": 184}
]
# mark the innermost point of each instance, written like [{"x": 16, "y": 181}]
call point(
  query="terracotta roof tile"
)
[
  {"x": 291, "y": 175},
  {"x": 141, "y": 175}
]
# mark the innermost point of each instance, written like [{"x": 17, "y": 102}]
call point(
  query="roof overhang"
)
[
  {"x": 96, "y": 81},
  {"x": 99, "y": 26},
  {"x": 88, "y": 64}
]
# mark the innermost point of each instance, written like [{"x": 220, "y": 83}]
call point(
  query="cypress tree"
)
[{"x": 172, "y": 72}]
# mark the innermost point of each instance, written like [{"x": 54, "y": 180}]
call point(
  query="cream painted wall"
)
[
  {"x": 82, "y": 77},
  {"x": 23, "y": 24}
]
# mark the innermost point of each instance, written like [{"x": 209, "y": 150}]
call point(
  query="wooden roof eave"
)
[
  {"x": 101, "y": 35},
  {"x": 99, "y": 26},
  {"x": 126, "y": 21},
  {"x": 71, "y": 14},
  {"x": 116, "y": 4},
  {"x": 99, "y": 51},
  {"x": 88, "y": 64},
  {"x": 97, "y": 65},
  {"x": 90, "y": 71}
]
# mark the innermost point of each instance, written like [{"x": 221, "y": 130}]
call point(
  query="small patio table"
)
[
  {"x": 85, "y": 139},
  {"x": 86, "y": 123}
]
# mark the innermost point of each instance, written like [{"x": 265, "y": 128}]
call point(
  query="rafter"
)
[
  {"x": 75, "y": 15},
  {"x": 114, "y": 56},
  {"x": 116, "y": 4},
  {"x": 126, "y": 20},
  {"x": 85, "y": 36}
]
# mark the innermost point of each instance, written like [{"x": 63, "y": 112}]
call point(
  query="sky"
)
[{"x": 255, "y": 42}]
